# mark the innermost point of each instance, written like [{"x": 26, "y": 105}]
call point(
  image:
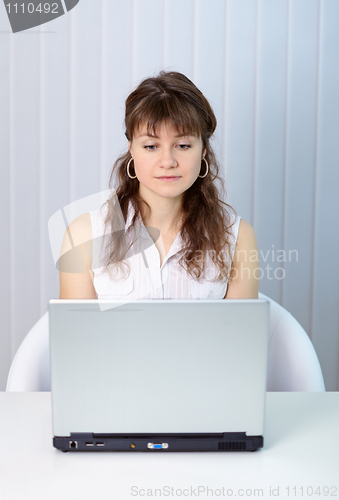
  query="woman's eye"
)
[{"x": 152, "y": 147}]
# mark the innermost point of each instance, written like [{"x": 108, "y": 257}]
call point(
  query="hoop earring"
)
[
  {"x": 202, "y": 176},
  {"x": 128, "y": 164}
]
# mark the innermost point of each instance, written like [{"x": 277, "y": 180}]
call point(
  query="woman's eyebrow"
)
[
  {"x": 154, "y": 136},
  {"x": 149, "y": 135}
]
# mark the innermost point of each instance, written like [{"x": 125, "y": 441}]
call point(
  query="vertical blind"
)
[{"x": 270, "y": 71}]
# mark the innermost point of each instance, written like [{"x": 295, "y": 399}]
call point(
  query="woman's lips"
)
[{"x": 168, "y": 179}]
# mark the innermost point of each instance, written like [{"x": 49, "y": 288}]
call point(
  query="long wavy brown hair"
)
[{"x": 173, "y": 99}]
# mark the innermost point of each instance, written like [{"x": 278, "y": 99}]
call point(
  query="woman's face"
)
[{"x": 167, "y": 164}]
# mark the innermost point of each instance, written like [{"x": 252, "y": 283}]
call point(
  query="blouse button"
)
[{"x": 211, "y": 294}]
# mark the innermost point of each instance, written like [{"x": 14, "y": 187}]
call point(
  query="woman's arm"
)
[
  {"x": 76, "y": 254},
  {"x": 244, "y": 276}
]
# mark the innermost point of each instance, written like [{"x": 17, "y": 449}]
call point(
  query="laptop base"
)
[{"x": 157, "y": 443}]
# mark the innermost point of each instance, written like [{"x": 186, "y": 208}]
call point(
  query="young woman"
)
[{"x": 165, "y": 232}]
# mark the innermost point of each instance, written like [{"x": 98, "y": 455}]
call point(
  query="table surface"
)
[{"x": 300, "y": 458}]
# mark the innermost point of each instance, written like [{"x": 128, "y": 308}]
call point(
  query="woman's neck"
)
[{"x": 165, "y": 215}]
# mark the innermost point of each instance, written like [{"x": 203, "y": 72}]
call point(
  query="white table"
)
[{"x": 301, "y": 451}]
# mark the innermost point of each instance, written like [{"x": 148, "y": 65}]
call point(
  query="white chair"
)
[
  {"x": 30, "y": 367},
  {"x": 293, "y": 364},
  {"x": 292, "y": 361}
]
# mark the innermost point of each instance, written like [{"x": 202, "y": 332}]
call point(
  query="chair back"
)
[
  {"x": 293, "y": 364},
  {"x": 292, "y": 361},
  {"x": 30, "y": 368}
]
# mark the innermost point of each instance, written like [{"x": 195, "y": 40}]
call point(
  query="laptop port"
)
[
  {"x": 89, "y": 444},
  {"x": 157, "y": 446},
  {"x": 73, "y": 444},
  {"x": 100, "y": 444}
]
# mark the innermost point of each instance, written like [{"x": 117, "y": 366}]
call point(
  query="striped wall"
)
[{"x": 270, "y": 71}]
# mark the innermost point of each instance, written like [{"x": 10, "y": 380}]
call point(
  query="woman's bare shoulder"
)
[
  {"x": 76, "y": 276},
  {"x": 243, "y": 282},
  {"x": 246, "y": 235},
  {"x": 78, "y": 232},
  {"x": 80, "y": 229}
]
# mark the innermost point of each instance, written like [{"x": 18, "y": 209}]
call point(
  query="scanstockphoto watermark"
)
[
  {"x": 74, "y": 251},
  {"x": 68, "y": 254},
  {"x": 25, "y": 14},
  {"x": 271, "y": 491},
  {"x": 274, "y": 262},
  {"x": 244, "y": 272},
  {"x": 279, "y": 258},
  {"x": 196, "y": 491}
]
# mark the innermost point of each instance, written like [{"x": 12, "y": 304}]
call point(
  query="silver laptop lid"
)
[{"x": 159, "y": 366}]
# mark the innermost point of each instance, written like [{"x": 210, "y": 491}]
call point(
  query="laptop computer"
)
[{"x": 158, "y": 375}]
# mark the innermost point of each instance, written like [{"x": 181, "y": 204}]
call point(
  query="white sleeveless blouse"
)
[{"x": 147, "y": 279}]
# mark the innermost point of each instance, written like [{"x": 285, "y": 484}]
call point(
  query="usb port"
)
[
  {"x": 100, "y": 444},
  {"x": 89, "y": 444}
]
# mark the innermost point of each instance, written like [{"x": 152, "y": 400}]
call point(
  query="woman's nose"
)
[{"x": 168, "y": 158}]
